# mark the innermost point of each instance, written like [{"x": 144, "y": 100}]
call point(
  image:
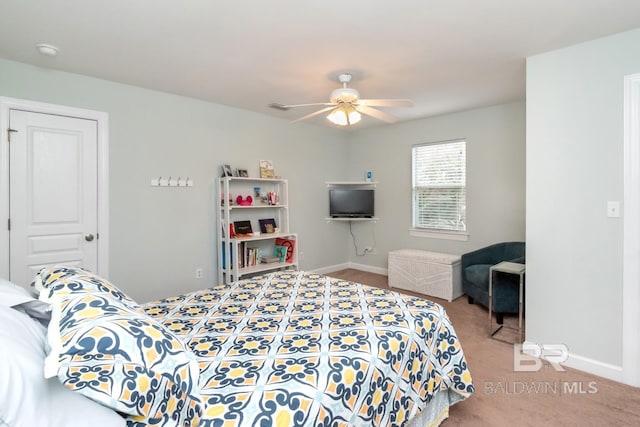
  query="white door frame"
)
[
  {"x": 631, "y": 234},
  {"x": 102, "y": 119}
]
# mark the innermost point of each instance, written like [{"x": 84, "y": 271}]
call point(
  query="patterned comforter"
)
[{"x": 301, "y": 349}]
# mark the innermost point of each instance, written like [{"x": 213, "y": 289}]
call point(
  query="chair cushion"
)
[{"x": 478, "y": 274}]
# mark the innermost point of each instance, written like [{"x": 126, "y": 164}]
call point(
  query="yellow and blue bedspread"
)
[{"x": 302, "y": 349}]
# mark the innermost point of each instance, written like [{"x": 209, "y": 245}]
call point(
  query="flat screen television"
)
[{"x": 351, "y": 203}]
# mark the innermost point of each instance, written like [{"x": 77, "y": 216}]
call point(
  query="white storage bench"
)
[{"x": 430, "y": 273}]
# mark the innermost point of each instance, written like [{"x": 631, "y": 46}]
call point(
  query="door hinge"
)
[
  {"x": 9, "y": 132},
  {"x": 9, "y": 224}
]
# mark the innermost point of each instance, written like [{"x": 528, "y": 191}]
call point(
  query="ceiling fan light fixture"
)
[
  {"x": 344, "y": 94},
  {"x": 344, "y": 116}
]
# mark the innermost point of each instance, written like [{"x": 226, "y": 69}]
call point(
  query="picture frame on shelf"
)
[
  {"x": 242, "y": 228},
  {"x": 242, "y": 173},
  {"x": 267, "y": 225},
  {"x": 266, "y": 169},
  {"x": 226, "y": 171}
]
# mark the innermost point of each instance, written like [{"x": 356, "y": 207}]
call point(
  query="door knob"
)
[{"x": 88, "y": 237}]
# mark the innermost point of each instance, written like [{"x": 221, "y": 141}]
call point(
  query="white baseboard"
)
[
  {"x": 594, "y": 367},
  {"x": 331, "y": 268},
  {"x": 369, "y": 268},
  {"x": 354, "y": 265},
  {"x": 585, "y": 364}
]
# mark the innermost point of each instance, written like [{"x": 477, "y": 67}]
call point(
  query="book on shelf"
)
[
  {"x": 224, "y": 257},
  {"x": 253, "y": 257},
  {"x": 280, "y": 252},
  {"x": 267, "y": 259}
]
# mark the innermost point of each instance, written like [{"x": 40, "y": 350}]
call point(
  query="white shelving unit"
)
[
  {"x": 354, "y": 185},
  {"x": 232, "y": 251}
]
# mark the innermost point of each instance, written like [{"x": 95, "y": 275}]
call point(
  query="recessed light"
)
[{"x": 47, "y": 49}]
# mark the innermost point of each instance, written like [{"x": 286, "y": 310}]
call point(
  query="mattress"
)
[{"x": 297, "y": 348}]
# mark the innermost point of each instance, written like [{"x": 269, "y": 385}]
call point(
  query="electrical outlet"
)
[
  {"x": 613, "y": 209},
  {"x": 199, "y": 273},
  {"x": 370, "y": 250}
]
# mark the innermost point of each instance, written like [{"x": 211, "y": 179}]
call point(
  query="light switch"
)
[{"x": 613, "y": 209}]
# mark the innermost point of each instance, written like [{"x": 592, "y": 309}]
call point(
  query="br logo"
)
[{"x": 529, "y": 357}]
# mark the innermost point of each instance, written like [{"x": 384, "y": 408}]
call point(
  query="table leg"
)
[{"x": 490, "y": 299}]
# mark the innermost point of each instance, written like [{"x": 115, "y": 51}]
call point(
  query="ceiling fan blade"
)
[
  {"x": 286, "y": 107},
  {"x": 315, "y": 113},
  {"x": 386, "y": 117},
  {"x": 386, "y": 102}
]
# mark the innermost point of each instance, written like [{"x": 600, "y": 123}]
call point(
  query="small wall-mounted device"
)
[{"x": 367, "y": 176}]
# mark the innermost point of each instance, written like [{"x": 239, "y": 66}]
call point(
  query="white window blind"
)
[{"x": 439, "y": 180}]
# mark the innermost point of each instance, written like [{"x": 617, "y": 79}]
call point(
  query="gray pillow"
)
[{"x": 18, "y": 298}]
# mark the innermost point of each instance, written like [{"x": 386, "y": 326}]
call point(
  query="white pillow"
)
[
  {"x": 12, "y": 294},
  {"x": 26, "y": 397}
]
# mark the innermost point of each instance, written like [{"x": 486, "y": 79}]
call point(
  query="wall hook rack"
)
[{"x": 171, "y": 182}]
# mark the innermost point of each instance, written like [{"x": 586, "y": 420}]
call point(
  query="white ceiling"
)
[{"x": 444, "y": 55}]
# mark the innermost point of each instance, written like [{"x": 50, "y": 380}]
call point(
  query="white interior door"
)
[{"x": 52, "y": 193}]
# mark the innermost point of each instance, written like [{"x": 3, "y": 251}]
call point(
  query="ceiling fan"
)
[{"x": 345, "y": 106}]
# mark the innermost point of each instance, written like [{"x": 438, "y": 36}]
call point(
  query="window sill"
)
[{"x": 462, "y": 236}]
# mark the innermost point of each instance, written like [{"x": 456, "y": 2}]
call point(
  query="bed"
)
[{"x": 289, "y": 348}]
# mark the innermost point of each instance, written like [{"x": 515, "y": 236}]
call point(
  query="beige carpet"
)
[{"x": 504, "y": 397}]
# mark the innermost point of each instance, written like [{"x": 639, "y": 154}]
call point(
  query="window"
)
[{"x": 439, "y": 196}]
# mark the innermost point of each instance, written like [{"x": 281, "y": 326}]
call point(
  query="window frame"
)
[{"x": 429, "y": 232}]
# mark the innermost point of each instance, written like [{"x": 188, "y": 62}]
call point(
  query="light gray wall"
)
[
  {"x": 159, "y": 236},
  {"x": 574, "y": 166},
  {"x": 495, "y": 179}
]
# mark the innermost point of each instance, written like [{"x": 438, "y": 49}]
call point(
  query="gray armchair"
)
[{"x": 475, "y": 277}]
